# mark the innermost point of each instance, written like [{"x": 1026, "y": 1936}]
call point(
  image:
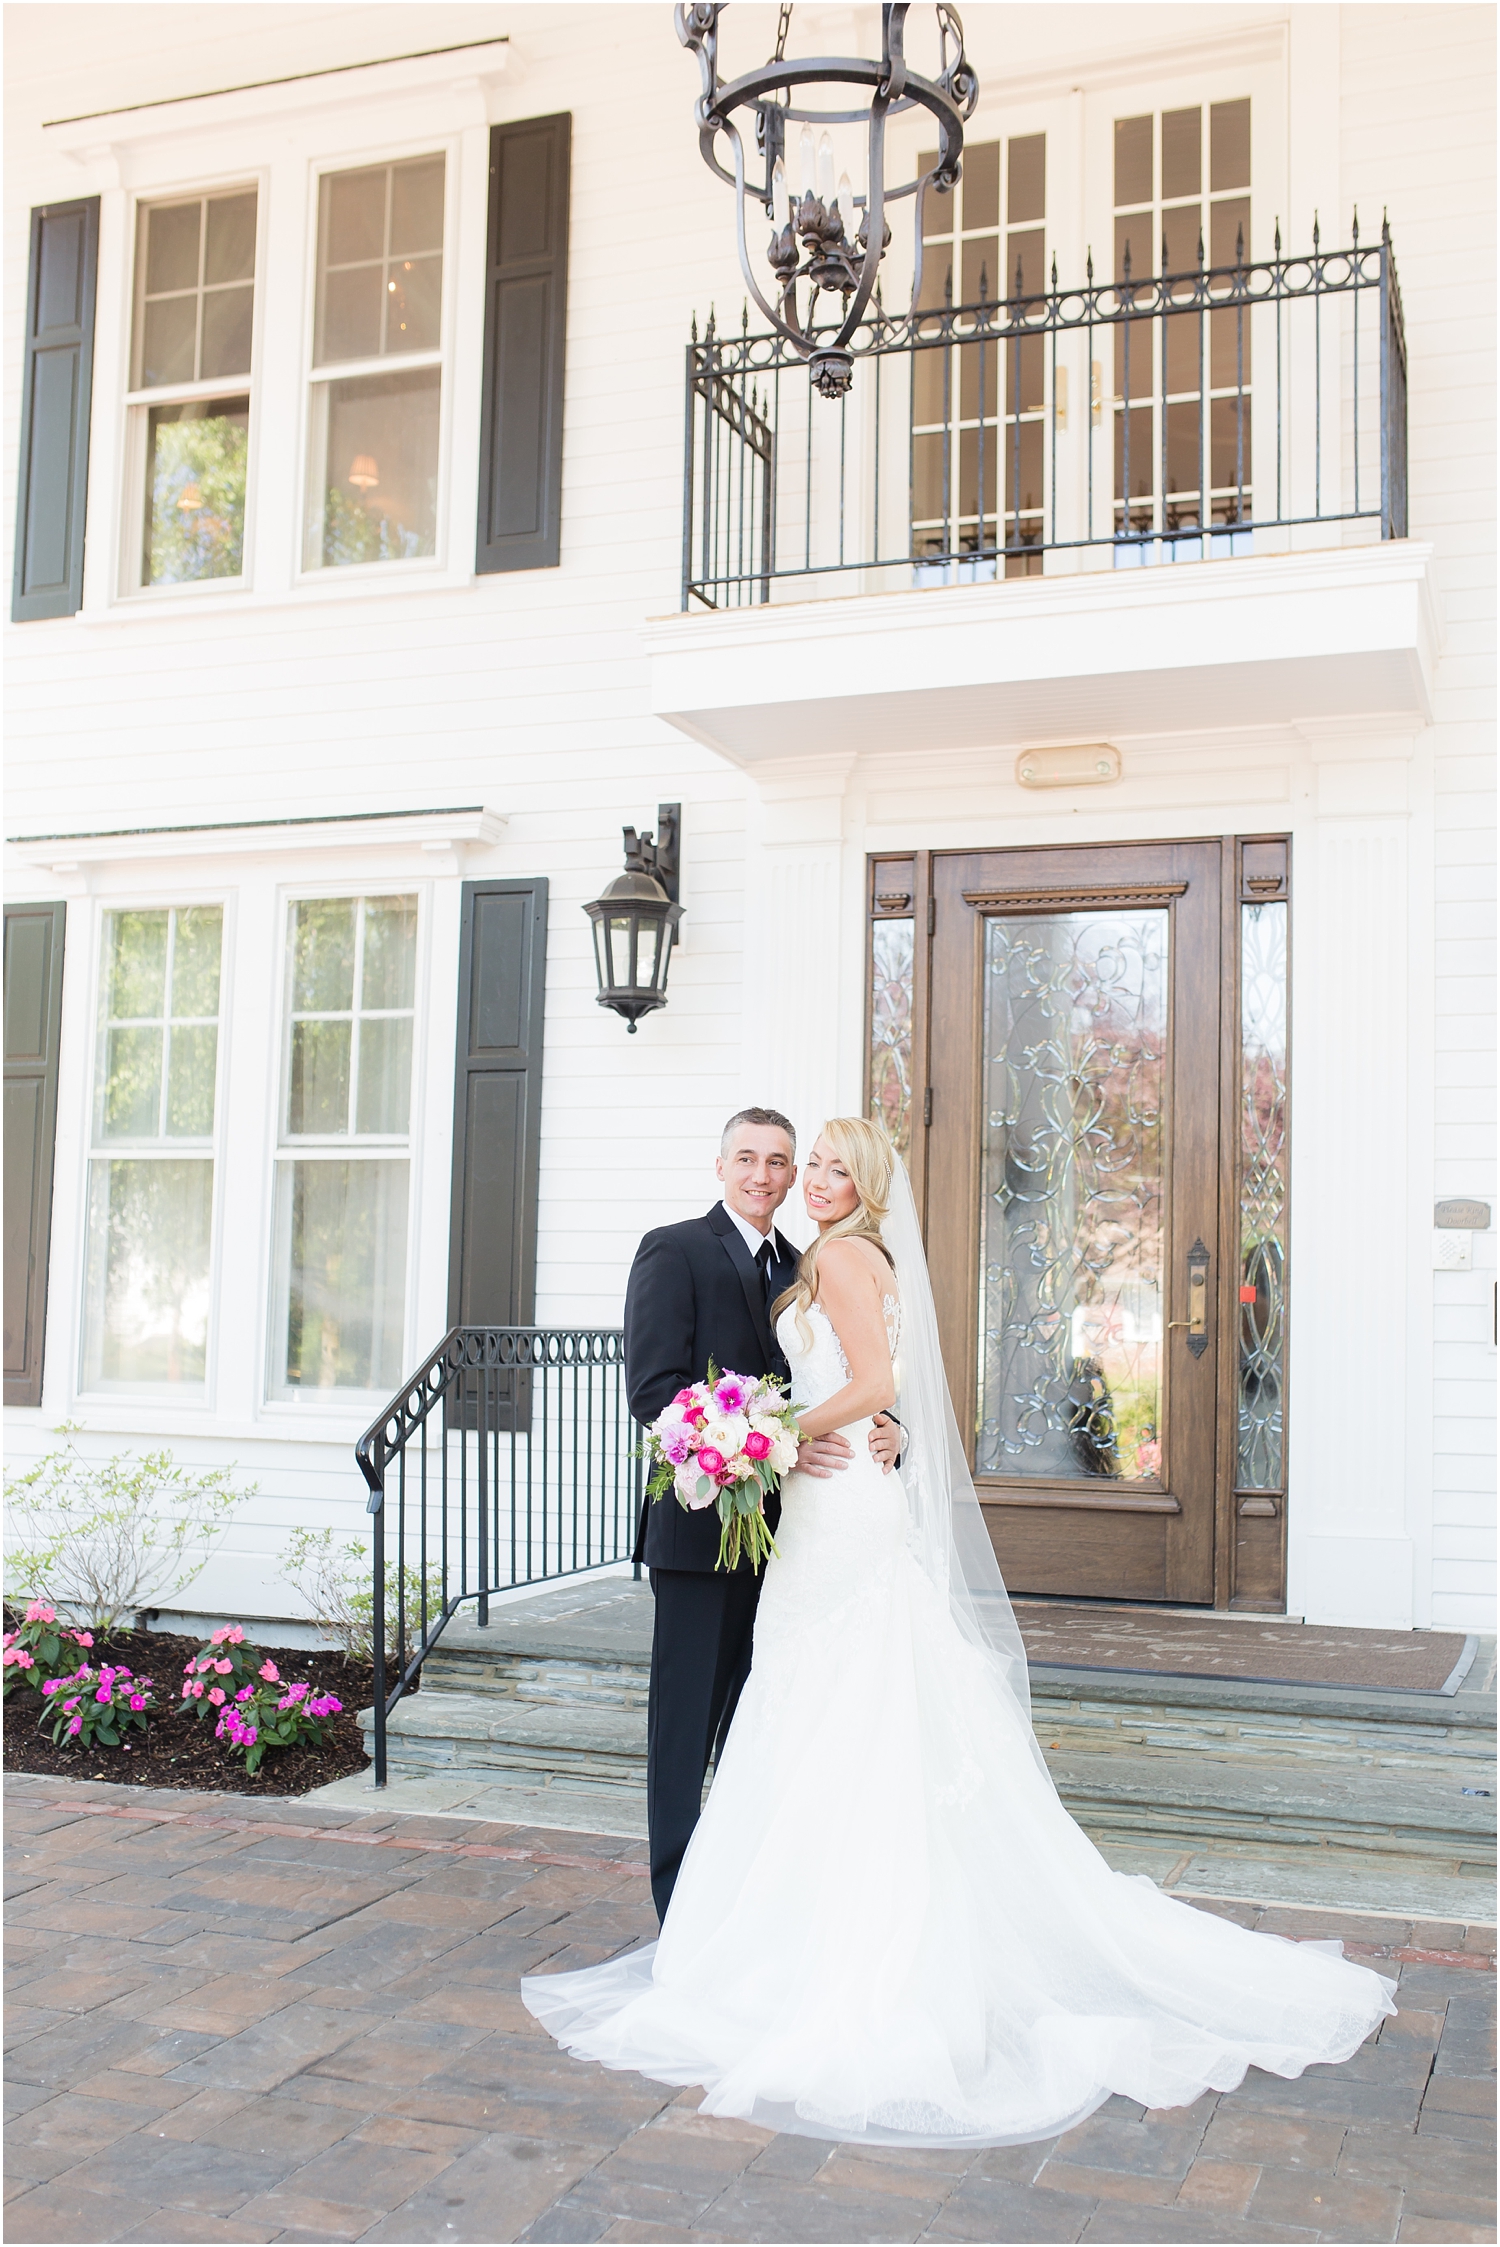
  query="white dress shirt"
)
[{"x": 753, "y": 1240}]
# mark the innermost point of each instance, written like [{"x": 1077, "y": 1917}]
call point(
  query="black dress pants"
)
[{"x": 700, "y": 1659}]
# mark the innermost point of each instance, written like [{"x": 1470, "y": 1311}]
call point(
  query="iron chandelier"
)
[{"x": 815, "y": 242}]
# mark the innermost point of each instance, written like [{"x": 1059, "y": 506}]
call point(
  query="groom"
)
[{"x": 698, "y": 1291}]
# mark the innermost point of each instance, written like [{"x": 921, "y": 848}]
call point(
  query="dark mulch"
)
[{"x": 180, "y": 1751}]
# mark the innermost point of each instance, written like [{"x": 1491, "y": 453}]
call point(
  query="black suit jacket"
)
[{"x": 694, "y": 1294}]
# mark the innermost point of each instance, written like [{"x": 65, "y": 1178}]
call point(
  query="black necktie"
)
[{"x": 763, "y": 1260}]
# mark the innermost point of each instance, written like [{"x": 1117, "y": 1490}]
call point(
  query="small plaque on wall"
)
[
  {"x": 1462, "y": 1216},
  {"x": 1087, "y": 764}
]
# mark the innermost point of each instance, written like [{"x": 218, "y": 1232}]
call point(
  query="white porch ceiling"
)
[{"x": 1192, "y": 647}]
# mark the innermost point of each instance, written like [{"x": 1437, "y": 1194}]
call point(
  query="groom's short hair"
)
[{"x": 763, "y": 1116}]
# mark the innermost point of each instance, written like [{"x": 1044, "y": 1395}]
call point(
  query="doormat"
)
[{"x": 1164, "y": 1645}]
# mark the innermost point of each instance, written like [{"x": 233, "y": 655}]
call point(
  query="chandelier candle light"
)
[{"x": 824, "y": 234}]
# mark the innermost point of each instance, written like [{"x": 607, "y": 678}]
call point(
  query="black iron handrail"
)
[
  {"x": 779, "y": 486},
  {"x": 508, "y": 1458}
]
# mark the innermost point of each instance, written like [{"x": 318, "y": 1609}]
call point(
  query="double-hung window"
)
[
  {"x": 189, "y": 400},
  {"x": 377, "y": 377},
  {"x": 343, "y": 1170},
  {"x": 151, "y": 1174}
]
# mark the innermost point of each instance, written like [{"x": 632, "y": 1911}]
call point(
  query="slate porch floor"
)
[{"x": 237, "y": 2019}]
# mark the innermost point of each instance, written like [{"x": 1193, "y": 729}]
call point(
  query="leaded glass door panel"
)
[{"x": 1073, "y": 1205}]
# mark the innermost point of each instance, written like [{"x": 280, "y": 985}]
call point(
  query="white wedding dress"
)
[{"x": 886, "y": 1926}]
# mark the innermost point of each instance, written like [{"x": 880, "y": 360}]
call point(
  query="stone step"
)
[
  {"x": 494, "y": 1737},
  {"x": 1077, "y": 1712}
]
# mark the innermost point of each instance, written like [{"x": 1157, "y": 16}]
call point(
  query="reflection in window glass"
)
[
  {"x": 890, "y": 1026},
  {"x": 196, "y": 455},
  {"x": 195, "y": 310},
  {"x": 372, "y": 478},
  {"x": 1070, "y": 1287},
  {"x": 1263, "y": 1194},
  {"x": 341, "y": 1212},
  {"x": 375, "y": 441},
  {"x": 341, "y": 1235},
  {"x": 147, "y": 1276}
]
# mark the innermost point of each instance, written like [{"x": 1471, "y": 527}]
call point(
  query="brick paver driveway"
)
[{"x": 240, "y": 2020}]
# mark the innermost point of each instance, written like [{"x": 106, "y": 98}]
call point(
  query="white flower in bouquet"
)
[
  {"x": 727, "y": 1435},
  {"x": 784, "y": 1452}
]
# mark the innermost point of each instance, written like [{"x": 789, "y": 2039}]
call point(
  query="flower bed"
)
[{"x": 174, "y": 1751}]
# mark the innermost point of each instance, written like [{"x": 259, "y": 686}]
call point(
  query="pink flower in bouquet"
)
[
  {"x": 685, "y": 1396},
  {"x": 677, "y": 1448},
  {"x": 731, "y": 1393},
  {"x": 711, "y": 1461},
  {"x": 757, "y": 1445}
]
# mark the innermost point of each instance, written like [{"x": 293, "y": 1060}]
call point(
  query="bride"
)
[{"x": 887, "y": 1927}]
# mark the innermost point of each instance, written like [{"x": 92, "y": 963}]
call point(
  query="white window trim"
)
[
  {"x": 334, "y": 1406},
  {"x": 304, "y": 578},
  {"x": 135, "y": 405},
  {"x": 189, "y": 1397}
]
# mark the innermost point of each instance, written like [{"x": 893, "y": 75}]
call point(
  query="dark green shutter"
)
[
  {"x": 525, "y": 324},
  {"x": 33, "y": 1003},
  {"x": 57, "y": 383},
  {"x": 497, "y": 1113}
]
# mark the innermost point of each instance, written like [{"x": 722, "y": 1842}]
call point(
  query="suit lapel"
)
[{"x": 749, "y": 1278}]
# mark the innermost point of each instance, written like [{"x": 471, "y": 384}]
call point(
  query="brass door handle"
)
[{"x": 1196, "y": 1321}]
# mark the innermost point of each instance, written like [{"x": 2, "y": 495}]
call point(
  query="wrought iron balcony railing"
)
[
  {"x": 508, "y": 1458},
  {"x": 1256, "y": 407}
]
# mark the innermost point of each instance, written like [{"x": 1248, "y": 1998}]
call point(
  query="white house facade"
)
[{"x": 1081, "y": 734}]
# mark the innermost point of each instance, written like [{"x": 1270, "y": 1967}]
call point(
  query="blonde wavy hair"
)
[{"x": 870, "y": 1159}]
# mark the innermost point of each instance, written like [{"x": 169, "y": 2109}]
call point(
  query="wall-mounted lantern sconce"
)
[{"x": 635, "y": 921}]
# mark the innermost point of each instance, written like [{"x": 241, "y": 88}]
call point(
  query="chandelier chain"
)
[{"x": 783, "y": 26}]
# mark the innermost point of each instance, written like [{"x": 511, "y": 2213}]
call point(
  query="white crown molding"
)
[
  {"x": 1243, "y": 45},
  {"x": 428, "y": 831},
  {"x": 477, "y": 72}
]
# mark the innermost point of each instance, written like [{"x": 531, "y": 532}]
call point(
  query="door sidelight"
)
[{"x": 1196, "y": 1321}]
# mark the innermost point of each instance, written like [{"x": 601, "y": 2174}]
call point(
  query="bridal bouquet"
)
[{"x": 723, "y": 1443}]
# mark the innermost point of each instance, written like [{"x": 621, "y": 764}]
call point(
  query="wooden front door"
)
[{"x": 1073, "y": 1204}]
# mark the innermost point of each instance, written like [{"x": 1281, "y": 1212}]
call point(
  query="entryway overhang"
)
[{"x": 1193, "y": 646}]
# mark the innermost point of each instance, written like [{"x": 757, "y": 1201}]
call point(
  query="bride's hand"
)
[{"x": 824, "y": 1455}]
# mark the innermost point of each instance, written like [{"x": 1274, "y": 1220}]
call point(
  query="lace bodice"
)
[{"x": 819, "y": 1366}]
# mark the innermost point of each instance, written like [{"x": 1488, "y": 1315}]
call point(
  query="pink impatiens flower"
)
[
  {"x": 218, "y": 1637},
  {"x": 245, "y": 1693},
  {"x": 75, "y": 1727},
  {"x": 137, "y": 1700},
  {"x": 38, "y": 1612},
  {"x": 84, "y": 1638},
  {"x": 225, "y": 1669},
  {"x": 270, "y": 1673},
  {"x": 216, "y": 1694},
  {"x": 196, "y": 1689},
  {"x": 18, "y": 1657}
]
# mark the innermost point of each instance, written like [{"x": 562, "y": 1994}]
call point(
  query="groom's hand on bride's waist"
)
[
  {"x": 824, "y": 1455},
  {"x": 886, "y": 1440}
]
